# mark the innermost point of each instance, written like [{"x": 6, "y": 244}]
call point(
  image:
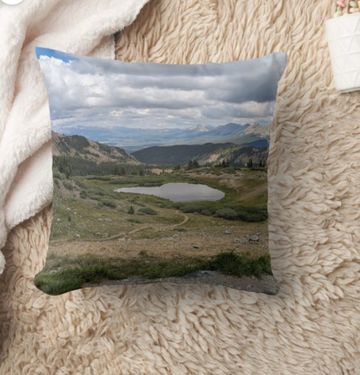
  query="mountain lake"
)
[{"x": 178, "y": 192}]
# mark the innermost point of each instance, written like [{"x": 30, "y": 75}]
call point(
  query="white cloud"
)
[{"x": 103, "y": 94}]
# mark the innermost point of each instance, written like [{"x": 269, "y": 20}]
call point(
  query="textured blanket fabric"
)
[
  {"x": 312, "y": 326},
  {"x": 83, "y": 27}
]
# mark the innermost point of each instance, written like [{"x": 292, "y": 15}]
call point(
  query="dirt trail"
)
[
  {"x": 171, "y": 227},
  {"x": 157, "y": 227}
]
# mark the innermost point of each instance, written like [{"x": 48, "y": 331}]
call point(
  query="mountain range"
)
[
  {"x": 178, "y": 154},
  {"x": 134, "y": 139},
  {"x": 205, "y": 154},
  {"x": 248, "y": 142}
]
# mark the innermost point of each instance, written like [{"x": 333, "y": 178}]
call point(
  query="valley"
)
[{"x": 96, "y": 228}]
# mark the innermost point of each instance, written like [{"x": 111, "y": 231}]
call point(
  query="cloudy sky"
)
[{"x": 98, "y": 93}]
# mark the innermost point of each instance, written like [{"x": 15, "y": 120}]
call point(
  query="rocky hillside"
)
[
  {"x": 77, "y": 146},
  {"x": 75, "y": 155},
  {"x": 256, "y": 153},
  {"x": 178, "y": 154},
  {"x": 206, "y": 154}
]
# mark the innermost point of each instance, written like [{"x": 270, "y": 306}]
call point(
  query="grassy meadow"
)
[{"x": 99, "y": 234}]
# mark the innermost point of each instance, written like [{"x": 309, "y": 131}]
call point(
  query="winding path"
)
[{"x": 157, "y": 227}]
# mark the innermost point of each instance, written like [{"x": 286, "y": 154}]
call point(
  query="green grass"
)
[
  {"x": 68, "y": 185},
  {"x": 250, "y": 209},
  {"x": 224, "y": 210},
  {"x": 63, "y": 274},
  {"x": 233, "y": 206},
  {"x": 108, "y": 203},
  {"x": 147, "y": 211},
  {"x": 94, "y": 207},
  {"x": 249, "y": 182},
  {"x": 153, "y": 180}
]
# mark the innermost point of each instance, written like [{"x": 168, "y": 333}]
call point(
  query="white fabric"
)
[{"x": 83, "y": 27}]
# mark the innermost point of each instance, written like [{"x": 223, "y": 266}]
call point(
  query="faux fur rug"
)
[{"x": 312, "y": 326}]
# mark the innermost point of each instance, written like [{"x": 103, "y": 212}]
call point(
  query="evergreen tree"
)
[{"x": 64, "y": 166}]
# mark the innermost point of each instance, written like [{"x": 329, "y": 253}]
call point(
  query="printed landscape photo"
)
[{"x": 160, "y": 171}]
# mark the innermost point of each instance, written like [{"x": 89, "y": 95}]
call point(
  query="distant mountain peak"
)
[
  {"x": 260, "y": 130},
  {"x": 201, "y": 127}
]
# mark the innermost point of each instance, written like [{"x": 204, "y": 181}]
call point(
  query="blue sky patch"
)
[{"x": 40, "y": 51}]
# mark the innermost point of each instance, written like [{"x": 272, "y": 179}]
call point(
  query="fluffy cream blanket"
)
[
  {"x": 82, "y": 27},
  {"x": 312, "y": 326}
]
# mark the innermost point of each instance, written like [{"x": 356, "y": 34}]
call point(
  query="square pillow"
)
[{"x": 160, "y": 172}]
